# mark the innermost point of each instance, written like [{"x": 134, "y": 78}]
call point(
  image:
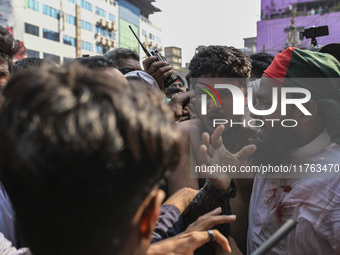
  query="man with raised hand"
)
[
  {"x": 223, "y": 65},
  {"x": 310, "y": 194}
]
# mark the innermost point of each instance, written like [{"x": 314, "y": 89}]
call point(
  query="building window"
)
[
  {"x": 112, "y": 35},
  {"x": 99, "y": 49},
  {"x": 151, "y": 36},
  {"x": 54, "y": 36},
  {"x": 32, "y": 53},
  {"x": 112, "y": 17},
  {"x": 144, "y": 32},
  {"x": 86, "y": 5},
  {"x": 73, "y": 1},
  {"x": 86, "y": 46},
  {"x": 101, "y": 12},
  {"x": 47, "y": 10},
  {"x": 70, "y": 19},
  {"x": 86, "y": 25},
  {"x": 34, "y": 5},
  {"x": 53, "y": 58},
  {"x": 158, "y": 40},
  {"x": 69, "y": 40},
  {"x": 101, "y": 31},
  {"x": 31, "y": 29}
]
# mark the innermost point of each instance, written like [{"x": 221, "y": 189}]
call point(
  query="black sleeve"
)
[{"x": 208, "y": 199}]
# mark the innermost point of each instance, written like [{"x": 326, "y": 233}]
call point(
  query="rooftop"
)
[{"x": 145, "y": 6}]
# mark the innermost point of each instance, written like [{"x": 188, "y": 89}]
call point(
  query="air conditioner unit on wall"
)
[
  {"x": 98, "y": 39},
  {"x": 109, "y": 25},
  {"x": 102, "y": 22},
  {"x": 102, "y": 40},
  {"x": 115, "y": 26}
]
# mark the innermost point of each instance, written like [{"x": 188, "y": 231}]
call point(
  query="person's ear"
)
[
  {"x": 312, "y": 107},
  {"x": 151, "y": 213}
]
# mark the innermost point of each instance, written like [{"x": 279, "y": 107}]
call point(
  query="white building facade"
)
[{"x": 61, "y": 30}]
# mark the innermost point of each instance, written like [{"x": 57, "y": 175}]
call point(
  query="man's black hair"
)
[
  {"x": 116, "y": 54},
  {"x": 220, "y": 61},
  {"x": 187, "y": 78},
  {"x": 8, "y": 47},
  {"x": 79, "y": 153},
  {"x": 260, "y": 62},
  {"x": 95, "y": 62},
  {"x": 30, "y": 63}
]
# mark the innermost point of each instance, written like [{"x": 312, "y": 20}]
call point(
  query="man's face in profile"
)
[
  {"x": 215, "y": 110},
  {"x": 274, "y": 141},
  {"x": 179, "y": 85}
]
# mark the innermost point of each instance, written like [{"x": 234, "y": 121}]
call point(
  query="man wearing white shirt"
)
[
  {"x": 310, "y": 195},
  {"x": 310, "y": 192}
]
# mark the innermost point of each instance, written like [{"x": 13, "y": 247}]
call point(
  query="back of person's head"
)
[
  {"x": 259, "y": 63},
  {"x": 220, "y": 61},
  {"x": 333, "y": 49},
  {"x": 116, "y": 54},
  {"x": 78, "y": 156},
  {"x": 103, "y": 65},
  {"x": 30, "y": 63},
  {"x": 95, "y": 62},
  {"x": 8, "y": 46}
]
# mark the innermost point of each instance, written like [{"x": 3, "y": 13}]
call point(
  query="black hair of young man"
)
[
  {"x": 259, "y": 63},
  {"x": 95, "y": 62},
  {"x": 79, "y": 154},
  {"x": 30, "y": 63},
  {"x": 220, "y": 61}
]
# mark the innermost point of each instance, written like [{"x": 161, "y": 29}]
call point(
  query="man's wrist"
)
[{"x": 229, "y": 192}]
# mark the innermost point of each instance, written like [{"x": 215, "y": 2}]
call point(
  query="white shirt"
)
[
  {"x": 313, "y": 202},
  {"x": 6, "y": 248}
]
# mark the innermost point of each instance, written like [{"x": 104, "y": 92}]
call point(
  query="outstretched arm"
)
[{"x": 187, "y": 243}]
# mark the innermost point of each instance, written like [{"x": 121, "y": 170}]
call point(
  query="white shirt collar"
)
[{"x": 314, "y": 147}]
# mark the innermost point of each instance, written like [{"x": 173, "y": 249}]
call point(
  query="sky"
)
[{"x": 190, "y": 23}]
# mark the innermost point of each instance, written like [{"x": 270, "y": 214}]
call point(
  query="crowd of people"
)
[{"x": 99, "y": 156}]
